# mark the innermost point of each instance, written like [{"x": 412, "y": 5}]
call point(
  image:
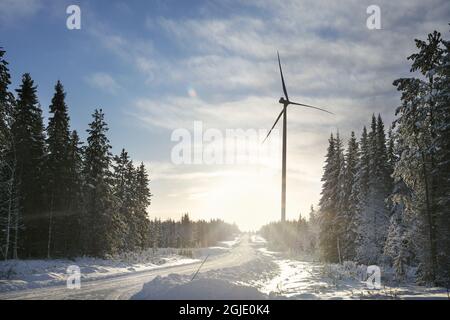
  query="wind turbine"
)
[{"x": 285, "y": 102}]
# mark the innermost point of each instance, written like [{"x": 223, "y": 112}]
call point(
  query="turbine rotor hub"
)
[{"x": 283, "y": 101}]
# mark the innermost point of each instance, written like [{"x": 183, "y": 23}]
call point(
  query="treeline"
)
[
  {"x": 354, "y": 216},
  {"x": 58, "y": 197},
  {"x": 386, "y": 200},
  {"x": 187, "y": 233},
  {"x": 296, "y": 236}
]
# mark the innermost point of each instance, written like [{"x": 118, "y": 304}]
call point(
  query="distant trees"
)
[
  {"x": 187, "y": 233},
  {"x": 294, "y": 236}
]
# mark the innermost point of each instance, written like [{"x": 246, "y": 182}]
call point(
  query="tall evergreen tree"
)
[
  {"x": 8, "y": 202},
  {"x": 417, "y": 132},
  {"x": 350, "y": 200},
  {"x": 143, "y": 197},
  {"x": 74, "y": 206},
  {"x": 373, "y": 213},
  {"x": 329, "y": 204},
  {"x": 124, "y": 184},
  {"x": 442, "y": 171},
  {"x": 29, "y": 138},
  {"x": 58, "y": 138},
  {"x": 101, "y": 222}
]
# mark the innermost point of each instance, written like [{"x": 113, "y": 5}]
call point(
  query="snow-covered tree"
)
[
  {"x": 442, "y": 171},
  {"x": 373, "y": 213},
  {"x": 418, "y": 138},
  {"x": 329, "y": 202},
  {"x": 349, "y": 200}
]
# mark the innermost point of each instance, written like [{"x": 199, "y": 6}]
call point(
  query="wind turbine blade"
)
[
  {"x": 282, "y": 78},
  {"x": 308, "y": 106},
  {"x": 279, "y": 116}
]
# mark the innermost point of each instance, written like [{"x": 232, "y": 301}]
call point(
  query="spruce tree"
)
[
  {"x": 373, "y": 215},
  {"x": 418, "y": 133},
  {"x": 8, "y": 201},
  {"x": 72, "y": 236},
  {"x": 441, "y": 174},
  {"x": 329, "y": 205},
  {"x": 142, "y": 199},
  {"x": 58, "y": 184},
  {"x": 29, "y": 139},
  {"x": 124, "y": 184},
  {"x": 351, "y": 199},
  {"x": 101, "y": 222}
]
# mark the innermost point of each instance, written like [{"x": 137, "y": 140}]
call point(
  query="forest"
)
[
  {"x": 386, "y": 198},
  {"x": 60, "y": 197}
]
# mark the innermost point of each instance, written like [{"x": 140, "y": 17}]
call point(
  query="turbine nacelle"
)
[{"x": 283, "y": 101}]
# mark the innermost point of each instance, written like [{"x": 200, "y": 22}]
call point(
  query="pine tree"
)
[
  {"x": 28, "y": 135},
  {"x": 186, "y": 231},
  {"x": 74, "y": 206},
  {"x": 373, "y": 215},
  {"x": 442, "y": 171},
  {"x": 329, "y": 204},
  {"x": 314, "y": 228},
  {"x": 8, "y": 201},
  {"x": 101, "y": 222},
  {"x": 58, "y": 138},
  {"x": 418, "y": 135},
  {"x": 124, "y": 184},
  {"x": 397, "y": 248},
  {"x": 350, "y": 197},
  {"x": 340, "y": 220},
  {"x": 143, "y": 197}
]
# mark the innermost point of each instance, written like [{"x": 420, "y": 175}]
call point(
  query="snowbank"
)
[
  {"x": 305, "y": 280},
  {"x": 20, "y": 274},
  {"x": 175, "y": 287},
  {"x": 241, "y": 282}
]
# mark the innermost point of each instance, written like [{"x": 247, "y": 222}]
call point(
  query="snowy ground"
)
[
  {"x": 240, "y": 269},
  {"x": 272, "y": 275},
  {"x": 21, "y": 274}
]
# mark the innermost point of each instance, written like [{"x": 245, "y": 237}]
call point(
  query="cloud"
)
[
  {"x": 137, "y": 51},
  {"x": 14, "y": 11},
  {"x": 104, "y": 81}
]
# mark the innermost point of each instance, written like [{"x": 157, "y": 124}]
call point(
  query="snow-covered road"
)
[{"x": 124, "y": 286}]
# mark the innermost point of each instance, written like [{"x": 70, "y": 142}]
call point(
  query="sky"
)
[{"x": 159, "y": 69}]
